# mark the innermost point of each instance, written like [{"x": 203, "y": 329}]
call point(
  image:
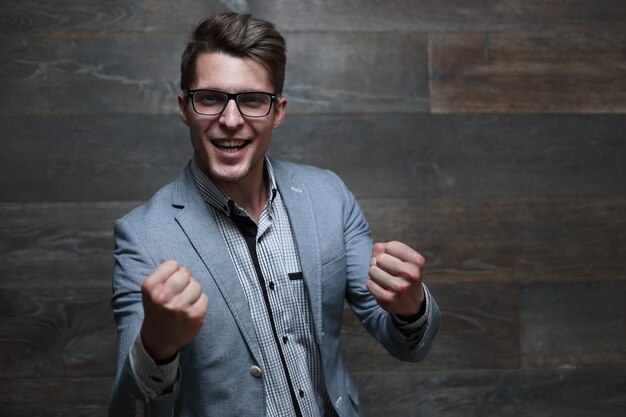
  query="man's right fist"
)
[{"x": 174, "y": 308}]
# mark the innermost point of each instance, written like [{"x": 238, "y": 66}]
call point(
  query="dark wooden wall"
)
[{"x": 488, "y": 134}]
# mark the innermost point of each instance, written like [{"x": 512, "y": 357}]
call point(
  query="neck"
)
[{"x": 249, "y": 193}]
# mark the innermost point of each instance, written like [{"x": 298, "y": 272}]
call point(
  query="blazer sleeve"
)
[
  {"x": 358, "y": 246},
  {"x": 132, "y": 264}
]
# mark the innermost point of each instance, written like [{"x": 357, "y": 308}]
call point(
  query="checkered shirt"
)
[{"x": 280, "y": 266}]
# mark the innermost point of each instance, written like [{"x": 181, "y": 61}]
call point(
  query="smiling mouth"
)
[{"x": 230, "y": 146}]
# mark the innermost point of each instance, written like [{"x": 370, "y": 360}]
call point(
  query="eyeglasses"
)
[{"x": 214, "y": 102}]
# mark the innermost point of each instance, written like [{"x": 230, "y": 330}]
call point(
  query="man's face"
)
[{"x": 230, "y": 147}]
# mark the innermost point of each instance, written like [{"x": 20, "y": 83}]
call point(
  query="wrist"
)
[
  {"x": 159, "y": 354},
  {"x": 410, "y": 318}
]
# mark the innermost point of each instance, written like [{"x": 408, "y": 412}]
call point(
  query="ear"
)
[
  {"x": 183, "y": 109},
  {"x": 279, "y": 111}
]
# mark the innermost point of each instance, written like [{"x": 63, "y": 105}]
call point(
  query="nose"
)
[{"x": 231, "y": 117}]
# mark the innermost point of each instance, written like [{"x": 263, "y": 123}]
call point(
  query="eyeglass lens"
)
[{"x": 214, "y": 102}]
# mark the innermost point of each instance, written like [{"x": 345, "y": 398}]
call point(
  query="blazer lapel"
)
[
  {"x": 198, "y": 223},
  {"x": 304, "y": 227}
]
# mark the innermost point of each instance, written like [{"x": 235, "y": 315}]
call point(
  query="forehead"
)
[{"x": 230, "y": 73}]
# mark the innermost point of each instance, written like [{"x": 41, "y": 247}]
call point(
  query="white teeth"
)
[{"x": 230, "y": 143}]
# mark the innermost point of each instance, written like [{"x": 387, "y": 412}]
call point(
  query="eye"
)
[
  {"x": 253, "y": 99},
  {"x": 208, "y": 98}
]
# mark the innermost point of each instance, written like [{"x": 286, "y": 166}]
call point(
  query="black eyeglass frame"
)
[{"x": 231, "y": 96}]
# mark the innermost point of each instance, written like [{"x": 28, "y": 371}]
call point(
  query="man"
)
[{"x": 229, "y": 284}]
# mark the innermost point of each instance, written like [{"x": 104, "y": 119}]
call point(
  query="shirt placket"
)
[{"x": 286, "y": 309}]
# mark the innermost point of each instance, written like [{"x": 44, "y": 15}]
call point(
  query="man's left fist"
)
[{"x": 396, "y": 278}]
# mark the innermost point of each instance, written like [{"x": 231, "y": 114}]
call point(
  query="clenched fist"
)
[
  {"x": 396, "y": 278},
  {"x": 174, "y": 307}
]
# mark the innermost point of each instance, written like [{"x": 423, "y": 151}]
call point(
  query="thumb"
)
[{"x": 161, "y": 273}]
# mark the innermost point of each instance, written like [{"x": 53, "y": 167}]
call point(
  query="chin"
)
[{"x": 230, "y": 176}]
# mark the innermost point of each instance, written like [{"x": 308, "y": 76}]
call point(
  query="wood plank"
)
[
  {"x": 464, "y": 240},
  {"x": 65, "y": 245},
  {"x": 528, "y": 72},
  {"x": 337, "y": 73},
  {"x": 90, "y": 73},
  {"x": 293, "y": 15},
  {"x": 55, "y": 397},
  {"x": 88, "y": 158},
  {"x": 54, "y": 332},
  {"x": 162, "y": 17},
  {"x": 509, "y": 239},
  {"x": 479, "y": 329},
  {"x": 20, "y": 16},
  {"x": 509, "y": 393},
  {"x": 502, "y": 393},
  {"x": 481, "y": 240},
  {"x": 139, "y": 73},
  {"x": 578, "y": 324},
  {"x": 406, "y": 15},
  {"x": 395, "y": 156}
]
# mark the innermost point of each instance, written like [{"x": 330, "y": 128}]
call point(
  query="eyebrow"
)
[{"x": 247, "y": 90}]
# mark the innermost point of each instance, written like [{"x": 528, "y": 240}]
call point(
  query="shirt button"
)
[
  {"x": 255, "y": 371},
  {"x": 271, "y": 285},
  {"x": 301, "y": 392},
  {"x": 285, "y": 339}
]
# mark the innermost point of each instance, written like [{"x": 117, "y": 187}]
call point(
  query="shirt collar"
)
[{"x": 220, "y": 201}]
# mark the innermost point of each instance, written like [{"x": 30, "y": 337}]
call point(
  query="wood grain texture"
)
[
  {"x": 24, "y": 16},
  {"x": 163, "y": 16},
  {"x": 511, "y": 393},
  {"x": 389, "y": 156},
  {"x": 578, "y": 324},
  {"x": 55, "y": 397},
  {"x": 479, "y": 329},
  {"x": 522, "y": 72},
  {"x": 139, "y": 74},
  {"x": 464, "y": 240},
  {"x": 67, "y": 245},
  {"x": 293, "y": 15},
  {"x": 90, "y": 74},
  {"x": 90, "y": 158},
  {"x": 363, "y": 73},
  {"x": 556, "y": 392},
  {"x": 441, "y": 15},
  {"x": 405, "y": 15},
  {"x": 54, "y": 332},
  {"x": 508, "y": 240},
  {"x": 100, "y": 158}
]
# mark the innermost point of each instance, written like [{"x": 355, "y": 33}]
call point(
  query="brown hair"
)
[{"x": 239, "y": 35}]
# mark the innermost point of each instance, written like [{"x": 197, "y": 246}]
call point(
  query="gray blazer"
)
[{"x": 215, "y": 379}]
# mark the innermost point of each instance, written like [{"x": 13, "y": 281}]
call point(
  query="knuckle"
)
[
  {"x": 159, "y": 297},
  {"x": 184, "y": 275},
  {"x": 372, "y": 270},
  {"x": 411, "y": 273},
  {"x": 402, "y": 287},
  {"x": 171, "y": 263},
  {"x": 385, "y": 257}
]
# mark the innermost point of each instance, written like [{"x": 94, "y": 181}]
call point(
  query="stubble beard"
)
[{"x": 248, "y": 168}]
